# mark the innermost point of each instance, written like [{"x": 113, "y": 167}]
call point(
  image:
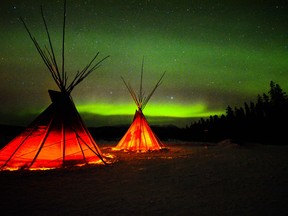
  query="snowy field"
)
[{"x": 189, "y": 179}]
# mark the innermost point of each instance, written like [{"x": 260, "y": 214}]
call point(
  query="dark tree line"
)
[{"x": 262, "y": 121}]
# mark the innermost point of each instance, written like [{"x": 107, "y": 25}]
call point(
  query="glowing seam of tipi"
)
[
  {"x": 58, "y": 137},
  {"x": 140, "y": 137}
]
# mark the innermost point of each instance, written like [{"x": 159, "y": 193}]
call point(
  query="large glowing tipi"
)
[
  {"x": 140, "y": 137},
  {"x": 57, "y": 137}
]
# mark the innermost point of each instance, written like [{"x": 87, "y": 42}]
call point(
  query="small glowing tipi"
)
[
  {"x": 140, "y": 137},
  {"x": 58, "y": 137}
]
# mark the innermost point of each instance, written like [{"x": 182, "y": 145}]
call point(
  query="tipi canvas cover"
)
[
  {"x": 140, "y": 137},
  {"x": 57, "y": 137}
]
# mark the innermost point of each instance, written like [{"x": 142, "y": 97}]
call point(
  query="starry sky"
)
[{"x": 215, "y": 54}]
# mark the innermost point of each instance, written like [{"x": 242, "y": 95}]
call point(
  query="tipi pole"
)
[
  {"x": 141, "y": 81},
  {"x": 22, "y": 142},
  {"x": 142, "y": 128},
  {"x": 63, "y": 45},
  {"x": 63, "y": 142},
  {"x": 80, "y": 146},
  {"x": 88, "y": 133},
  {"x": 152, "y": 92},
  {"x": 96, "y": 153},
  {"x": 42, "y": 141}
]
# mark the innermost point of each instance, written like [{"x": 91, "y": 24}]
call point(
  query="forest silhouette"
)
[{"x": 261, "y": 121}]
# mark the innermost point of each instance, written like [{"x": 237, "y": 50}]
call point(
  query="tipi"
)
[
  {"x": 140, "y": 137},
  {"x": 57, "y": 137}
]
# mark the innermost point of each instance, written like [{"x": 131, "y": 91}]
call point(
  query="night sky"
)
[{"x": 214, "y": 54}]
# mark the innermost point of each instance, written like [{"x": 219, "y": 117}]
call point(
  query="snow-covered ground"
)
[{"x": 188, "y": 179}]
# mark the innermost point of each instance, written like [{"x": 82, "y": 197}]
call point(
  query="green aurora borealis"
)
[{"x": 215, "y": 54}]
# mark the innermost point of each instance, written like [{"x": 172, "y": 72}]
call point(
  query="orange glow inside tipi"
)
[
  {"x": 57, "y": 138},
  {"x": 139, "y": 137}
]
